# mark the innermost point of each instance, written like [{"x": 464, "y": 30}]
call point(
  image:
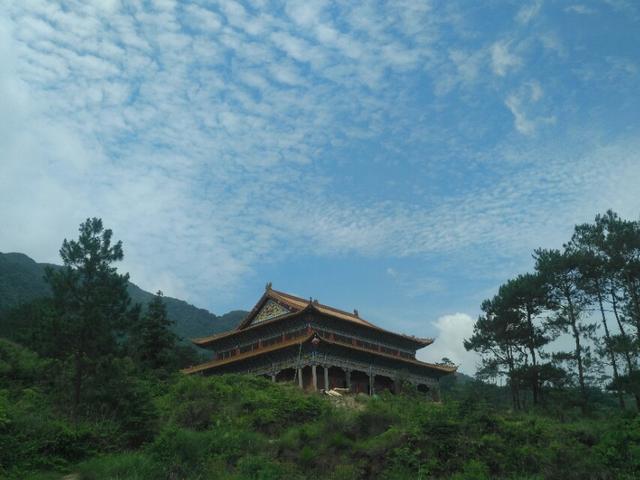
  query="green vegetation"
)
[
  {"x": 242, "y": 427},
  {"x": 85, "y": 390}
]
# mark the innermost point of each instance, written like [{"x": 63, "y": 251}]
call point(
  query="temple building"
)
[{"x": 287, "y": 338}]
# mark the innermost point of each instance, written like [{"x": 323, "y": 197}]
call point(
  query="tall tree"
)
[
  {"x": 495, "y": 337},
  {"x": 612, "y": 245},
  {"x": 597, "y": 280},
  {"x": 526, "y": 297},
  {"x": 91, "y": 299},
  {"x": 155, "y": 342},
  {"x": 622, "y": 246},
  {"x": 562, "y": 275}
]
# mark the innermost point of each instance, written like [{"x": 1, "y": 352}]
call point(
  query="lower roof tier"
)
[{"x": 313, "y": 342}]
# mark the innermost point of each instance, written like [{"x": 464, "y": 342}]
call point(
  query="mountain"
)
[{"x": 21, "y": 280}]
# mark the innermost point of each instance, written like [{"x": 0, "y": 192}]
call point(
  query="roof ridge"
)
[
  {"x": 298, "y": 305},
  {"x": 328, "y": 307},
  {"x": 427, "y": 341},
  {"x": 285, "y": 294}
]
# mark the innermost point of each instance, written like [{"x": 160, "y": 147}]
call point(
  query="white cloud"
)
[
  {"x": 502, "y": 59},
  {"x": 580, "y": 9},
  {"x": 414, "y": 286},
  {"x": 305, "y": 13},
  {"x": 529, "y": 12},
  {"x": 522, "y": 102},
  {"x": 464, "y": 70},
  {"x": 451, "y": 331},
  {"x": 523, "y": 124}
]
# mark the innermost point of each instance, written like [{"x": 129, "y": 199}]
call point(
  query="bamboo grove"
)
[{"x": 571, "y": 328}]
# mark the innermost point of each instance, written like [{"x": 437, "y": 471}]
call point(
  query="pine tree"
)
[
  {"x": 90, "y": 299},
  {"x": 563, "y": 277},
  {"x": 589, "y": 241},
  {"x": 495, "y": 337},
  {"x": 622, "y": 249},
  {"x": 155, "y": 342},
  {"x": 526, "y": 297}
]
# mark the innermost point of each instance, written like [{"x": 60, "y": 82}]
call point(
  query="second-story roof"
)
[{"x": 274, "y": 306}]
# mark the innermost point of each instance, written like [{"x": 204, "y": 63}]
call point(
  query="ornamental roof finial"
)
[
  {"x": 355, "y": 312},
  {"x": 267, "y": 286}
]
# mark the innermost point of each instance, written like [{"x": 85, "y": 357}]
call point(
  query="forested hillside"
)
[{"x": 22, "y": 280}]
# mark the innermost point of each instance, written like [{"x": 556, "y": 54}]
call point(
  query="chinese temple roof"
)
[{"x": 275, "y": 305}]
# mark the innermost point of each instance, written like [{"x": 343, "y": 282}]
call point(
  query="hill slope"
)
[{"x": 21, "y": 280}]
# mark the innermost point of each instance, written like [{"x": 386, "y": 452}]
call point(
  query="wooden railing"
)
[
  {"x": 267, "y": 342},
  {"x": 328, "y": 334}
]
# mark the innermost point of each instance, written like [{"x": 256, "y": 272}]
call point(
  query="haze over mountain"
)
[{"x": 21, "y": 280}]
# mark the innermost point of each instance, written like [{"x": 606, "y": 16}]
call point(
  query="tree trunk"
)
[
  {"x": 578, "y": 351},
  {"x": 79, "y": 375},
  {"x": 636, "y": 302},
  {"x": 612, "y": 355},
  {"x": 515, "y": 396},
  {"x": 532, "y": 350},
  {"x": 77, "y": 384},
  {"x": 627, "y": 354}
]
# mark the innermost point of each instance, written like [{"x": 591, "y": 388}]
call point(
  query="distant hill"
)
[
  {"x": 21, "y": 280},
  {"x": 458, "y": 380}
]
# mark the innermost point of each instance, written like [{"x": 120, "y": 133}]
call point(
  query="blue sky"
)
[{"x": 403, "y": 158}]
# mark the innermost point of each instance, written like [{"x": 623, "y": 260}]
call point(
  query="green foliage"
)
[
  {"x": 152, "y": 341},
  {"x": 215, "y": 428},
  {"x": 91, "y": 303},
  {"x": 195, "y": 402},
  {"x": 33, "y": 324},
  {"x": 35, "y": 432},
  {"x": 31, "y": 437},
  {"x": 19, "y": 366},
  {"x": 117, "y": 394},
  {"x": 126, "y": 465}
]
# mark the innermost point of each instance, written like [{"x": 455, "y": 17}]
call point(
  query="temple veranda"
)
[{"x": 290, "y": 339}]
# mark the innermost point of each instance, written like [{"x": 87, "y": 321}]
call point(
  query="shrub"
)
[
  {"x": 32, "y": 437},
  {"x": 130, "y": 466},
  {"x": 19, "y": 366},
  {"x": 195, "y": 402},
  {"x": 261, "y": 467},
  {"x": 180, "y": 451}
]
